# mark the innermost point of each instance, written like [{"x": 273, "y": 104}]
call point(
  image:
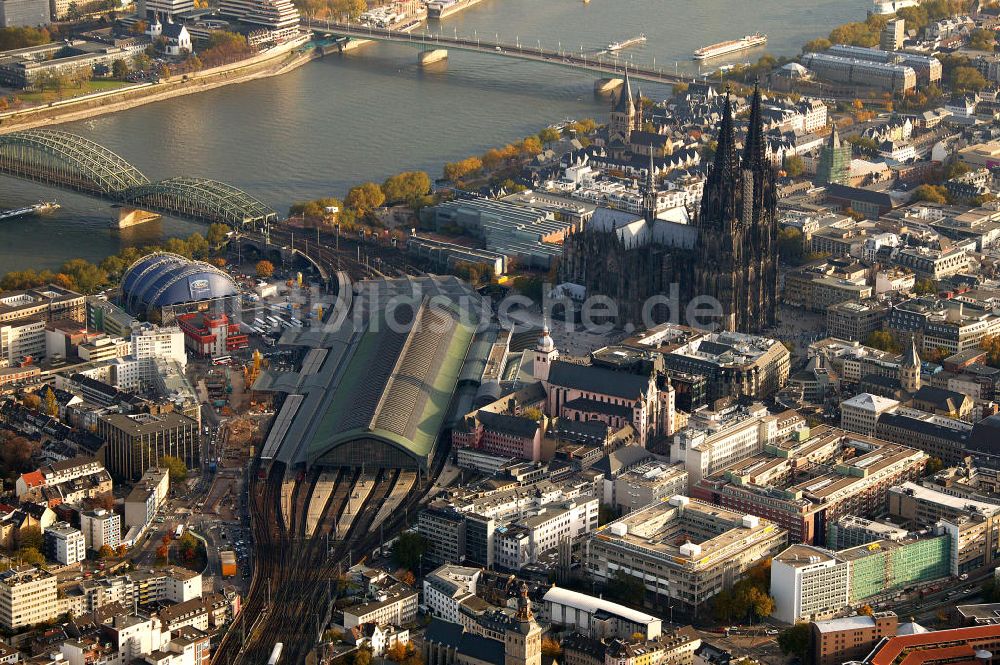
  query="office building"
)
[
  {"x": 27, "y": 597},
  {"x": 974, "y": 645},
  {"x": 718, "y": 546},
  {"x": 278, "y": 20},
  {"x": 647, "y": 483},
  {"x": 861, "y": 413},
  {"x": 804, "y": 483},
  {"x": 853, "y": 70},
  {"x": 939, "y": 436},
  {"x": 735, "y": 364},
  {"x": 209, "y": 336},
  {"x": 139, "y": 441},
  {"x": 834, "y": 160},
  {"x": 808, "y": 583},
  {"x": 599, "y": 618},
  {"x": 856, "y": 321},
  {"x": 851, "y": 531},
  {"x": 812, "y": 583},
  {"x": 927, "y": 68},
  {"x": 24, "y": 315},
  {"x": 715, "y": 440}
]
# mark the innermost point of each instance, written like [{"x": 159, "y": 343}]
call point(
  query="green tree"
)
[
  {"x": 119, "y": 69},
  {"x": 198, "y": 246},
  {"x": 793, "y": 166},
  {"x": 925, "y": 286},
  {"x": 933, "y": 465},
  {"x": 549, "y": 135},
  {"x": 884, "y": 341},
  {"x": 30, "y": 537},
  {"x": 791, "y": 247},
  {"x": 362, "y": 656},
  {"x": 175, "y": 467},
  {"x": 16, "y": 37},
  {"x": 931, "y": 194},
  {"x": 265, "y": 269},
  {"x": 87, "y": 277},
  {"x": 816, "y": 45},
  {"x": 795, "y": 641},
  {"x": 628, "y": 588},
  {"x": 982, "y": 40},
  {"x": 216, "y": 234},
  {"x": 408, "y": 549},
  {"x": 406, "y": 186},
  {"x": 30, "y": 556},
  {"x": 365, "y": 197},
  {"x": 967, "y": 79},
  {"x": 51, "y": 405}
]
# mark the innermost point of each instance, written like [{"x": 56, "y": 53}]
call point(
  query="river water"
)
[{"x": 363, "y": 116}]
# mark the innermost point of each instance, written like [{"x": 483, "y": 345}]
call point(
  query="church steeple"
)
[
  {"x": 726, "y": 160},
  {"x": 625, "y": 103},
  {"x": 753, "y": 149},
  {"x": 649, "y": 191}
]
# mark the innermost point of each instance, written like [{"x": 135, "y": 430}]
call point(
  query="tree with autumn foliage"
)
[
  {"x": 265, "y": 269},
  {"x": 551, "y": 647},
  {"x": 106, "y": 552}
]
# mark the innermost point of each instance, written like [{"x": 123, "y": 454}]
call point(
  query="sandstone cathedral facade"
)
[{"x": 726, "y": 250}]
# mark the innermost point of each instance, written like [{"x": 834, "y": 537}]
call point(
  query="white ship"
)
[
  {"x": 618, "y": 46},
  {"x": 731, "y": 46},
  {"x": 36, "y": 209},
  {"x": 892, "y": 6}
]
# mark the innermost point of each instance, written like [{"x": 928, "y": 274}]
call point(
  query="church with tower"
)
[
  {"x": 726, "y": 250},
  {"x": 628, "y": 135}
]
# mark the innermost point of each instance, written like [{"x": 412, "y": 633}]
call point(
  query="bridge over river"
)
[
  {"x": 601, "y": 62},
  {"x": 72, "y": 162}
]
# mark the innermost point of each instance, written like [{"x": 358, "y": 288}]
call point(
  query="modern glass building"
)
[{"x": 885, "y": 566}]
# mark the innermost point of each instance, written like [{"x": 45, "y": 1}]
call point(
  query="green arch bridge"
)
[{"x": 72, "y": 162}]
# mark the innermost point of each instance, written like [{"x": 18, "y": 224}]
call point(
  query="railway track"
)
[{"x": 295, "y": 578}]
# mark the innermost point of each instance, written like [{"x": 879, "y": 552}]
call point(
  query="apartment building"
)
[
  {"x": 146, "y": 497},
  {"x": 396, "y": 604},
  {"x": 101, "y": 528},
  {"x": 65, "y": 544},
  {"x": 27, "y": 597}
]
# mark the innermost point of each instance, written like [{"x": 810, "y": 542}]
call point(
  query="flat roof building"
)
[{"x": 686, "y": 551}]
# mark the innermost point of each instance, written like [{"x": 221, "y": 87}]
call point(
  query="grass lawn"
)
[{"x": 89, "y": 87}]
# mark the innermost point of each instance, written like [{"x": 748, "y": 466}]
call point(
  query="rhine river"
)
[{"x": 342, "y": 120}]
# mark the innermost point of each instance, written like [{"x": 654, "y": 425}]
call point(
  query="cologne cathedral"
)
[{"x": 726, "y": 250}]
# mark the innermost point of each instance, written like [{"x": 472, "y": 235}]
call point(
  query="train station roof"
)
[{"x": 387, "y": 376}]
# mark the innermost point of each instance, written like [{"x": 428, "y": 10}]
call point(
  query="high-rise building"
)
[
  {"x": 834, "y": 161},
  {"x": 893, "y": 34},
  {"x": 279, "y": 18},
  {"x": 65, "y": 544},
  {"x": 164, "y": 9}
]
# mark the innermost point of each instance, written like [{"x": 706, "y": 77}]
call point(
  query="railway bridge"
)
[{"x": 72, "y": 162}]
